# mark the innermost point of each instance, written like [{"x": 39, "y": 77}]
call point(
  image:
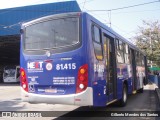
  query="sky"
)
[{"x": 123, "y": 21}]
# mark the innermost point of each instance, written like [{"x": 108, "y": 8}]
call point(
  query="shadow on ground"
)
[{"x": 10, "y": 84}]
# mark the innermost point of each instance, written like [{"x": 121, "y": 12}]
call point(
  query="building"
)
[{"x": 11, "y": 20}]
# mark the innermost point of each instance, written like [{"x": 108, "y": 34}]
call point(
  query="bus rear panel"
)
[{"x": 54, "y": 67}]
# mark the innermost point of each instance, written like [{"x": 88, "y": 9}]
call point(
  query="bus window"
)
[
  {"x": 97, "y": 42},
  {"x": 138, "y": 59},
  {"x": 120, "y": 51},
  {"x": 142, "y": 59},
  {"x": 126, "y": 54},
  {"x": 117, "y": 44},
  {"x": 53, "y": 34}
]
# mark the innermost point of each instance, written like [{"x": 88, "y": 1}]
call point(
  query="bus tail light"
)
[
  {"x": 82, "y": 80},
  {"x": 23, "y": 80}
]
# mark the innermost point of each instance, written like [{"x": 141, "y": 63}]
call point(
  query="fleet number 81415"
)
[{"x": 66, "y": 66}]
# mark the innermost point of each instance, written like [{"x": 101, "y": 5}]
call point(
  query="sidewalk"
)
[
  {"x": 153, "y": 86},
  {"x": 150, "y": 86}
]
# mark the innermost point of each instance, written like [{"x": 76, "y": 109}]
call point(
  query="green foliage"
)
[{"x": 148, "y": 40}]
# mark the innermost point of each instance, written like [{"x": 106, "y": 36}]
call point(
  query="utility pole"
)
[{"x": 109, "y": 15}]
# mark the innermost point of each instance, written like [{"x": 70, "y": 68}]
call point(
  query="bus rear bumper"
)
[{"x": 84, "y": 98}]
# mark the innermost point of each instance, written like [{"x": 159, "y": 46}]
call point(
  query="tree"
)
[{"x": 148, "y": 40}]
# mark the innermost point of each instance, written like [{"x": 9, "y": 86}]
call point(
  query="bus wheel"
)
[{"x": 123, "y": 101}]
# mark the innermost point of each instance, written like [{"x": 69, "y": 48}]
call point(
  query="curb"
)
[
  {"x": 157, "y": 90},
  {"x": 158, "y": 94}
]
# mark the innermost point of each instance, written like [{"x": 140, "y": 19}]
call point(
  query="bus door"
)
[
  {"x": 17, "y": 73},
  {"x": 109, "y": 57},
  {"x": 133, "y": 62}
]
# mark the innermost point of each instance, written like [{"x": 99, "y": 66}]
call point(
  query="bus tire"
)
[{"x": 123, "y": 101}]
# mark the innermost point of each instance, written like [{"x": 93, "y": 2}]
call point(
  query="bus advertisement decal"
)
[
  {"x": 35, "y": 66},
  {"x": 49, "y": 66},
  {"x": 55, "y": 90},
  {"x": 50, "y": 90},
  {"x": 99, "y": 68},
  {"x": 33, "y": 79},
  {"x": 63, "y": 80},
  {"x": 31, "y": 88}
]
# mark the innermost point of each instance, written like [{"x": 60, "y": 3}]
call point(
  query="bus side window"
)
[
  {"x": 142, "y": 59},
  {"x": 96, "y": 36},
  {"x": 138, "y": 59},
  {"x": 120, "y": 51},
  {"x": 126, "y": 54}
]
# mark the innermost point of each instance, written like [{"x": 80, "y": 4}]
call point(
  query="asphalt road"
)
[{"x": 147, "y": 101}]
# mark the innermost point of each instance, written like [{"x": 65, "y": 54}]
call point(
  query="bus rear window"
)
[{"x": 52, "y": 34}]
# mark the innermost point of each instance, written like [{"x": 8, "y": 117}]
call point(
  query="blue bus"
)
[{"x": 72, "y": 58}]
